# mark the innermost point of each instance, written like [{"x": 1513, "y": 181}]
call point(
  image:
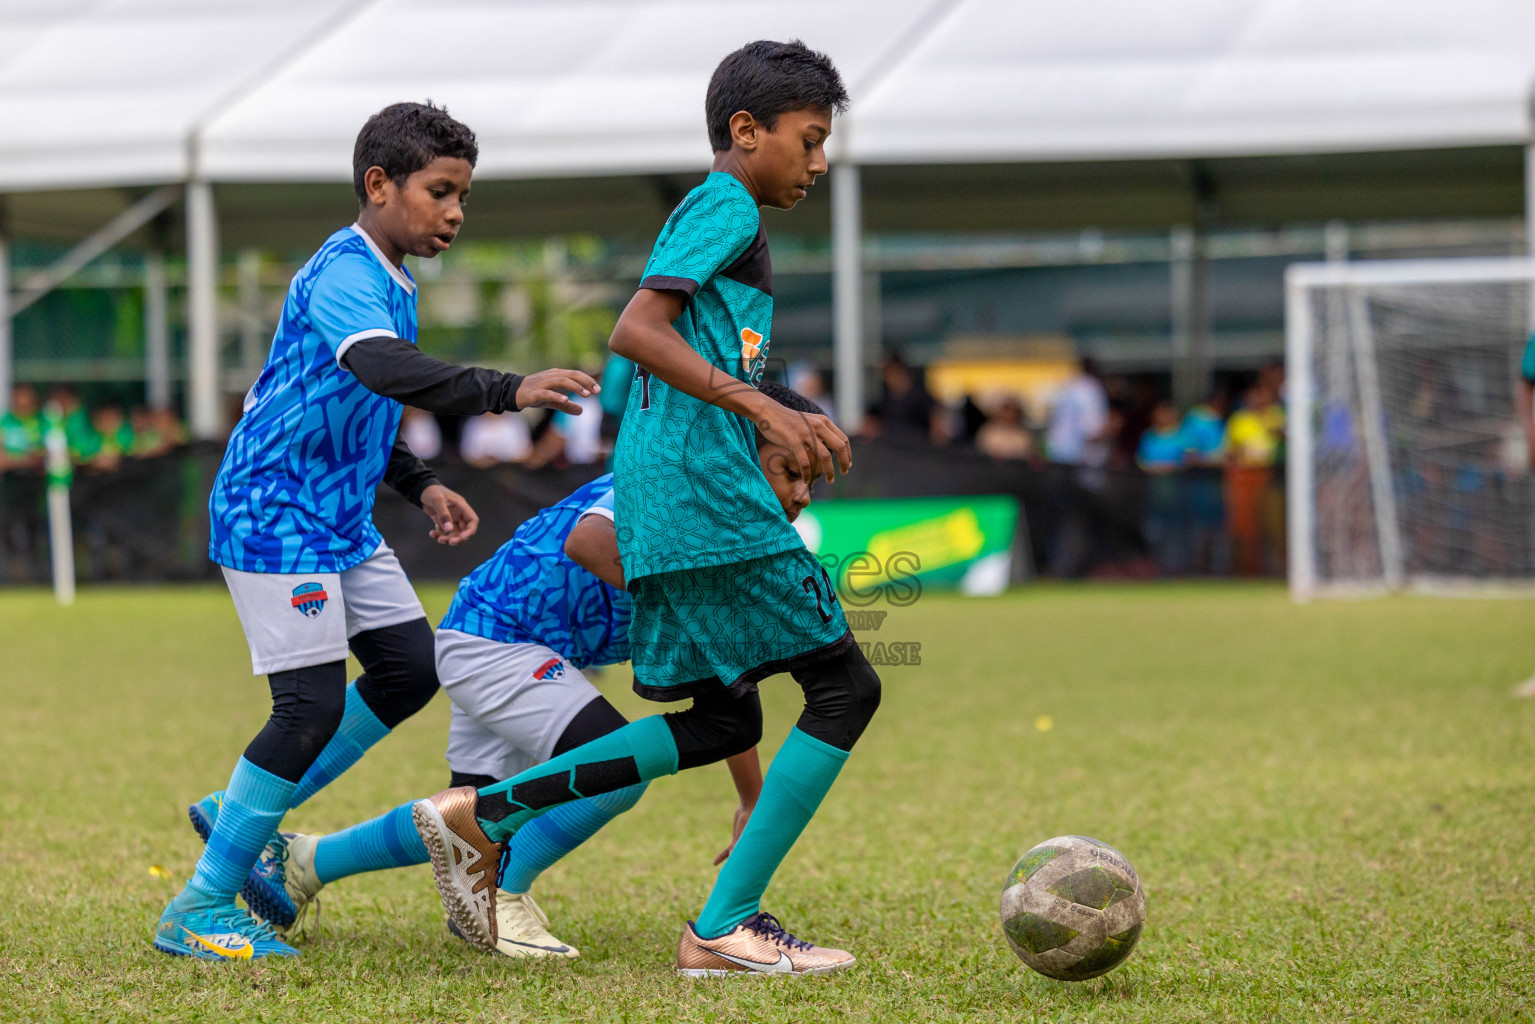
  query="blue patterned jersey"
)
[
  {"x": 530, "y": 592},
  {"x": 295, "y": 491},
  {"x": 691, "y": 492}
]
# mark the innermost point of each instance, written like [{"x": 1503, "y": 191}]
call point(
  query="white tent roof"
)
[{"x": 118, "y": 92}]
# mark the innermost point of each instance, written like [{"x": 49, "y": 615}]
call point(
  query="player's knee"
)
[
  {"x": 400, "y": 670},
  {"x": 748, "y": 726},
  {"x": 841, "y": 696},
  {"x": 307, "y": 706},
  {"x": 717, "y": 726}
]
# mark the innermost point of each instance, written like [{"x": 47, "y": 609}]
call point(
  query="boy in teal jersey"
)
[{"x": 725, "y": 593}]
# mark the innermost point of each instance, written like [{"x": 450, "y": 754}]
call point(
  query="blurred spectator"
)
[
  {"x": 971, "y": 419},
  {"x": 905, "y": 410},
  {"x": 155, "y": 432},
  {"x": 806, "y": 379},
  {"x": 1252, "y": 445},
  {"x": 570, "y": 440},
  {"x": 495, "y": 438},
  {"x": 1003, "y": 436},
  {"x": 109, "y": 441},
  {"x": 1204, "y": 439},
  {"x": 617, "y": 380},
  {"x": 1160, "y": 454},
  {"x": 1079, "y": 420},
  {"x": 1138, "y": 402},
  {"x": 420, "y": 432},
  {"x": 21, "y": 430},
  {"x": 77, "y": 424}
]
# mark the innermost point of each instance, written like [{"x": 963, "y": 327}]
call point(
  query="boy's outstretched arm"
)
[
  {"x": 395, "y": 368},
  {"x": 645, "y": 335},
  {"x": 593, "y": 545}
]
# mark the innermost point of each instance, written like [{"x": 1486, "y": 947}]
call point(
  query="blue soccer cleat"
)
[
  {"x": 205, "y": 812},
  {"x": 216, "y": 932},
  {"x": 265, "y": 890}
]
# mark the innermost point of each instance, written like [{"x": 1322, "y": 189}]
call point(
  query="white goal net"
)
[{"x": 1406, "y": 463}]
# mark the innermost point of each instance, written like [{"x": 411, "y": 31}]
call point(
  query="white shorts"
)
[
  {"x": 293, "y": 620},
  {"x": 511, "y": 702}
]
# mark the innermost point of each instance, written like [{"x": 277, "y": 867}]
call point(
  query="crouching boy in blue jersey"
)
[
  {"x": 292, "y": 515},
  {"x": 549, "y": 603}
]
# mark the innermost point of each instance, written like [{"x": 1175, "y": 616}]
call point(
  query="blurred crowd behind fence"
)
[{"x": 1106, "y": 488}]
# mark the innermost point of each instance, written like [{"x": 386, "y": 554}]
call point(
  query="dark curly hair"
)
[
  {"x": 766, "y": 79},
  {"x": 405, "y": 137},
  {"x": 789, "y": 400}
]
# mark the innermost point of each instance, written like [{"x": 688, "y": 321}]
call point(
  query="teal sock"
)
[
  {"x": 253, "y": 807},
  {"x": 798, "y": 780},
  {"x": 638, "y": 752},
  {"x": 360, "y": 729},
  {"x": 388, "y": 841},
  {"x": 547, "y": 838}
]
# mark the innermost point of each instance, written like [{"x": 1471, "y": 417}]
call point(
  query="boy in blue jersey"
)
[
  {"x": 725, "y": 593},
  {"x": 292, "y": 522},
  {"x": 510, "y": 653}
]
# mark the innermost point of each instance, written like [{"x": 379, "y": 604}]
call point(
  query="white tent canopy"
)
[
  {"x": 137, "y": 92},
  {"x": 108, "y": 93}
]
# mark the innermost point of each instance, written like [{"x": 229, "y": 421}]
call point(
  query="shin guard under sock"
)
[
  {"x": 253, "y": 807},
  {"x": 797, "y": 781},
  {"x": 360, "y": 729},
  {"x": 388, "y": 841},
  {"x": 638, "y": 752},
  {"x": 547, "y": 838}
]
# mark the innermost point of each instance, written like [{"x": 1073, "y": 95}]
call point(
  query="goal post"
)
[{"x": 1406, "y": 465}]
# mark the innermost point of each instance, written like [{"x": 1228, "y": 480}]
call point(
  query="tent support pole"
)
[
  {"x": 157, "y": 350},
  {"x": 7, "y": 374},
  {"x": 204, "y": 414},
  {"x": 1529, "y": 217},
  {"x": 847, "y": 293}
]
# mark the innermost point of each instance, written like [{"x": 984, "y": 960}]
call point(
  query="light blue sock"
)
[
  {"x": 643, "y": 749},
  {"x": 388, "y": 841},
  {"x": 253, "y": 807},
  {"x": 546, "y": 839},
  {"x": 360, "y": 729},
  {"x": 802, "y": 771}
]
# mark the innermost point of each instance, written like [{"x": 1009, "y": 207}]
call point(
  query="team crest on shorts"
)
[
  {"x": 550, "y": 670},
  {"x": 309, "y": 599}
]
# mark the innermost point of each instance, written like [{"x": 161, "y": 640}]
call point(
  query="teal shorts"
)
[{"x": 696, "y": 630}]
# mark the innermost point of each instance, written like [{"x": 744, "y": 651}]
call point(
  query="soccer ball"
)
[{"x": 1072, "y": 908}]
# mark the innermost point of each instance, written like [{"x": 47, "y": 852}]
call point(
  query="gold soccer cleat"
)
[
  {"x": 758, "y": 945},
  {"x": 464, "y": 861}
]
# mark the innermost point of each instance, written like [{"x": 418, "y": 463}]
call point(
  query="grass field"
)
[{"x": 1330, "y": 807}]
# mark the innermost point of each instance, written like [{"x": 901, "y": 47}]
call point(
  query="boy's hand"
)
[
  {"x": 453, "y": 521},
  {"x": 743, "y": 815},
  {"x": 546, "y": 390},
  {"x": 814, "y": 441}
]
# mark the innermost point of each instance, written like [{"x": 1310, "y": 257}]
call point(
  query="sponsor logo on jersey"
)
[
  {"x": 309, "y": 599},
  {"x": 550, "y": 670},
  {"x": 751, "y": 348}
]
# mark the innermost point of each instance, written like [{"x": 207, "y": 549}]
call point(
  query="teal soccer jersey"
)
[
  {"x": 1527, "y": 367},
  {"x": 689, "y": 490}
]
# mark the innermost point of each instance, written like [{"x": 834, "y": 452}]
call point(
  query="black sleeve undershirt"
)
[
  {"x": 408, "y": 474},
  {"x": 396, "y": 369}
]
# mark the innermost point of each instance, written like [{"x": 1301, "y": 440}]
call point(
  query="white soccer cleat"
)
[{"x": 522, "y": 929}]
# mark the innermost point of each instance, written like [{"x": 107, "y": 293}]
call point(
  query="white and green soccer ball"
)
[{"x": 1072, "y": 908}]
